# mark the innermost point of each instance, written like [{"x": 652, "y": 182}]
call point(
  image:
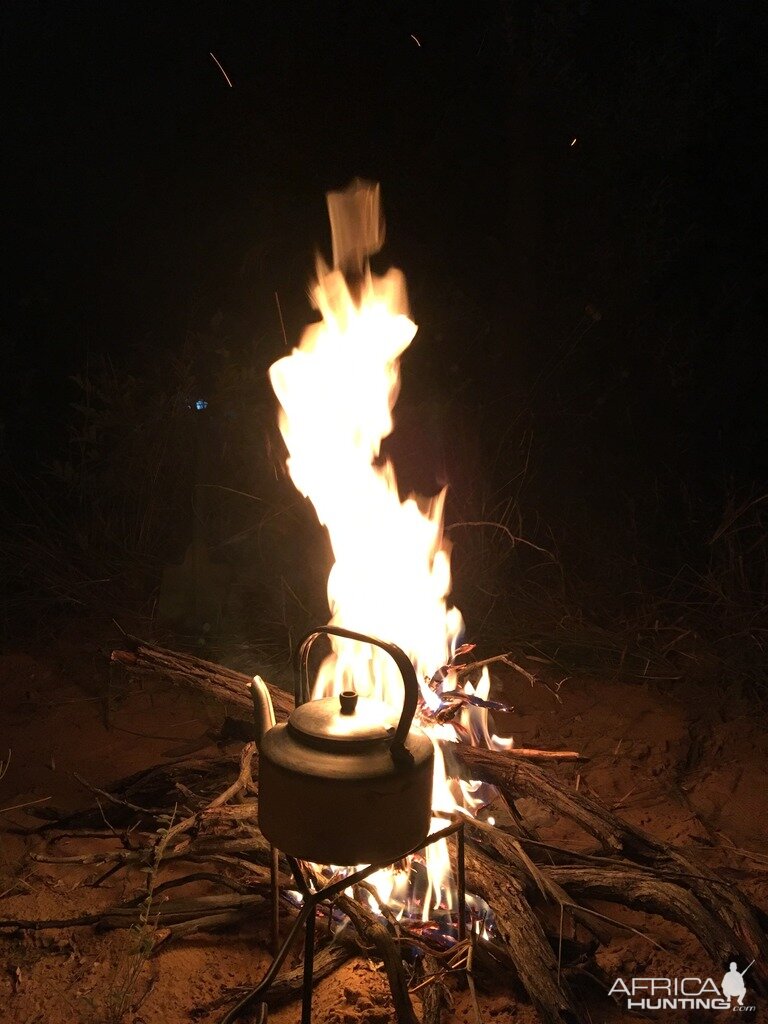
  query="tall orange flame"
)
[{"x": 391, "y": 573}]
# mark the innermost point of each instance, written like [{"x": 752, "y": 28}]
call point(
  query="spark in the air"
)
[{"x": 221, "y": 69}]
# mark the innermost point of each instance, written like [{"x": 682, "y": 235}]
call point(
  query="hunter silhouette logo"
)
[
  {"x": 685, "y": 993},
  {"x": 733, "y": 983}
]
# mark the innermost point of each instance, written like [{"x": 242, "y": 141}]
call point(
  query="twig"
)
[
  {"x": 504, "y": 659},
  {"x": 107, "y": 874},
  {"x": 613, "y": 921},
  {"x": 543, "y": 756},
  {"x": 198, "y": 876},
  {"x": 411, "y": 938},
  {"x": 27, "y": 803},
  {"x": 471, "y": 978},
  {"x": 173, "y": 912},
  {"x": 504, "y": 529},
  {"x": 152, "y": 812}
]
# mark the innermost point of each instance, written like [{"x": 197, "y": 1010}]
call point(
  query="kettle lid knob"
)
[{"x": 347, "y": 702}]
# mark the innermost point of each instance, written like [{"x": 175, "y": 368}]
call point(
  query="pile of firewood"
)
[{"x": 545, "y": 929}]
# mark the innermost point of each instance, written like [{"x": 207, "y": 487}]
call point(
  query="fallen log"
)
[
  {"x": 611, "y": 881},
  {"x": 224, "y": 685},
  {"x": 328, "y": 959},
  {"x": 230, "y": 688},
  {"x": 641, "y": 890},
  {"x": 518, "y": 778},
  {"x": 432, "y": 991},
  {"x": 288, "y": 986}
]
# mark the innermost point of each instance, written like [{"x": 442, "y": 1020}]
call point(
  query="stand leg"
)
[
  {"x": 309, "y": 966},
  {"x": 275, "y": 891},
  {"x": 307, "y": 918},
  {"x": 462, "y": 883},
  {"x": 306, "y": 913}
]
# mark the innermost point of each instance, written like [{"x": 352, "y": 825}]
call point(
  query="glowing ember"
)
[{"x": 391, "y": 576}]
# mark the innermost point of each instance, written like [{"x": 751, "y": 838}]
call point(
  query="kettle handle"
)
[{"x": 397, "y": 746}]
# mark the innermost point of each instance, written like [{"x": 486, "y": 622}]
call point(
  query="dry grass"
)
[{"x": 132, "y": 965}]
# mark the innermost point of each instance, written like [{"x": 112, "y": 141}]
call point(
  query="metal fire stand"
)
[{"x": 313, "y": 897}]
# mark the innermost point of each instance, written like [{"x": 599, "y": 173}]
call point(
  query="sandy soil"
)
[{"x": 689, "y": 766}]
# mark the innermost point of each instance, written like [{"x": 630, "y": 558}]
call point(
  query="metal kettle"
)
[{"x": 339, "y": 783}]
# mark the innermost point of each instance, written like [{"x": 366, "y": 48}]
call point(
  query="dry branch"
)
[
  {"x": 519, "y": 929},
  {"x": 742, "y": 932},
  {"x": 641, "y": 890},
  {"x": 170, "y": 912},
  {"x": 288, "y": 986},
  {"x": 432, "y": 990},
  {"x": 520, "y": 778}
]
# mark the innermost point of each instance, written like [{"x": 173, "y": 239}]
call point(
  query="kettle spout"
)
[{"x": 263, "y": 711}]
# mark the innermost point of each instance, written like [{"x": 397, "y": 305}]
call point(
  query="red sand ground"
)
[{"x": 688, "y": 765}]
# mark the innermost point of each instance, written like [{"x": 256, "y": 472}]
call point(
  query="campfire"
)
[
  {"x": 386, "y": 755},
  {"x": 391, "y": 574}
]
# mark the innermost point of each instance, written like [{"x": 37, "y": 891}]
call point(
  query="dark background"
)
[{"x": 590, "y": 364}]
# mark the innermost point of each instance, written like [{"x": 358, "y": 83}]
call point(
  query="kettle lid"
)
[{"x": 344, "y": 721}]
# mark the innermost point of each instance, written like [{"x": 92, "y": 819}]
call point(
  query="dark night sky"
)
[
  {"x": 148, "y": 195},
  {"x": 145, "y": 187}
]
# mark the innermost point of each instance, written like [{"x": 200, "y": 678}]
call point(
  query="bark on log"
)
[
  {"x": 517, "y": 925},
  {"x": 644, "y": 891},
  {"x": 613, "y": 881},
  {"x": 520, "y": 778},
  {"x": 224, "y": 685},
  {"x": 432, "y": 993},
  {"x": 289, "y": 985}
]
